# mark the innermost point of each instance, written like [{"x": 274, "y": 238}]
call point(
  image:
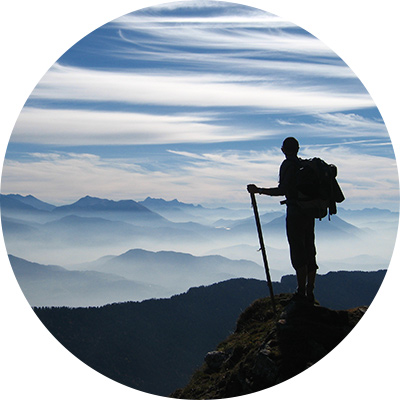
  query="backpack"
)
[{"x": 317, "y": 188}]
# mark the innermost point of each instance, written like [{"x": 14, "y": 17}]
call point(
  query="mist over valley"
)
[{"x": 98, "y": 251}]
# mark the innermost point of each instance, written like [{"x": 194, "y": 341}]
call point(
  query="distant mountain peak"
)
[
  {"x": 90, "y": 203},
  {"x": 162, "y": 203},
  {"x": 28, "y": 202}
]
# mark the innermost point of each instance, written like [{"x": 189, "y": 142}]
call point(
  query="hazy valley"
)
[{"x": 97, "y": 251}]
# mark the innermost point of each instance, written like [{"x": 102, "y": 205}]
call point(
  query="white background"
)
[{"x": 34, "y": 34}]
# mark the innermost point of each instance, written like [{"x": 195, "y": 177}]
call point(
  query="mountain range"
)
[
  {"x": 50, "y": 285},
  {"x": 141, "y": 291},
  {"x": 28, "y": 200},
  {"x": 137, "y": 242},
  {"x": 115, "y": 279},
  {"x": 156, "y": 345}
]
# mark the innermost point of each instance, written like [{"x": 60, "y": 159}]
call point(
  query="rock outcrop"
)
[{"x": 267, "y": 349}]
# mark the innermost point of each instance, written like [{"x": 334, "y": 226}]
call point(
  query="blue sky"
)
[{"x": 192, "y": 101}]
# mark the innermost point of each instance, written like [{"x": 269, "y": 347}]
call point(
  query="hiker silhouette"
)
[{"x": 300, "y": 225}]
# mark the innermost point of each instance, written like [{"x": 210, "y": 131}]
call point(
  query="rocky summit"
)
[{"x": 267, "y": 348}]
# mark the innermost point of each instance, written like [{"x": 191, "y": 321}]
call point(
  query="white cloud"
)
[
  {"x": 201, "y": 90},
  {"x": 353, "y": 121},
  {"x": 64, "y": 177},
  {"x": 82, "y": 127},
  {"x": 219, "y": 177},
  {"x": 78, "y": 84},
  {"x": 366, "y": 179},
  {"x": 258, "y": 85},
  {"x": 339, "y": 125},
  {"x": 227, "y": 13},
  {"x": 90, "y": 126},
  {"x": 245, "y": 62},
  {"x": 187, "y": 154},
  {"x": 238, "y": 32}
]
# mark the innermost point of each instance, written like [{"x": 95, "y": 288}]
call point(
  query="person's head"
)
[{"x": 290, "y": 146}]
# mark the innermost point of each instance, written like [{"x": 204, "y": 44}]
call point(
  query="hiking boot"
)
[
  {"x": 311, "y": 298},
  {"x": 299, "y": 297}
]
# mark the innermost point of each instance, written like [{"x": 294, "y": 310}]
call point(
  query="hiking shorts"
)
[{"x": 301, "y": 238}]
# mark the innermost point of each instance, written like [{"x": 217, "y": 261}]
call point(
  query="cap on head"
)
[{"x": 290, "y": 145}]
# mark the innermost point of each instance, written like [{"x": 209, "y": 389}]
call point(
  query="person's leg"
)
[
  {"x": 301, "y": 275},
  {"x": 295, "y": 236},
  {"x": 311, "y": 275},
  {"x": 311, "y": 258}
]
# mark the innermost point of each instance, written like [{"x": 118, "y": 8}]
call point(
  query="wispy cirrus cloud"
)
[
  {"x": 206, "y": 12},
  {"x": 238, "y": 39},
  {"x": 228, "y": 33},
  {"x": 252, "y": 57},
  {"x": 87, "y": 127},
  {"x": 339, "y": 125},
  {"x": 197, "y": 103},
  {"x": 194, "y": 90},
  {"x": 85, "y": 105}
]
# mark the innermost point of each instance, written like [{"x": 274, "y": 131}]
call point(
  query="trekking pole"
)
[{"x": 262, "y": 248}]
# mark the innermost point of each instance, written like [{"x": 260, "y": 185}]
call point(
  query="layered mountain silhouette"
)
[
  {"x": 133, "y": 276},
  {"x": 94, "y": 221},
  {"x": 92, "y": 228},
  {"x": 22, "y": 208},
  {"x": 56, "y": 286},
  {"x": 161, "y": 204},
  {"x": 162, "y": 274},
  {"x": 183, "y": 297},
  {"x": 156, "y": 345},
  {"x": 176, "y": 269},
  {"x": 27, "y": 200},
  {"x": 142, "y": 212},
  {"x": 206, "y": 259},
  {"x": 122, "y": 209},
  {"x": 177, "y": 211}
]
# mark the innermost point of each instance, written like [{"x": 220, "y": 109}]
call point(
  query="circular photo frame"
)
[{"x": 131, "y": 211}]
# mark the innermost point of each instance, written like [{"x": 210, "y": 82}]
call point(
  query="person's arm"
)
[{"x": 276, "y": 191}]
